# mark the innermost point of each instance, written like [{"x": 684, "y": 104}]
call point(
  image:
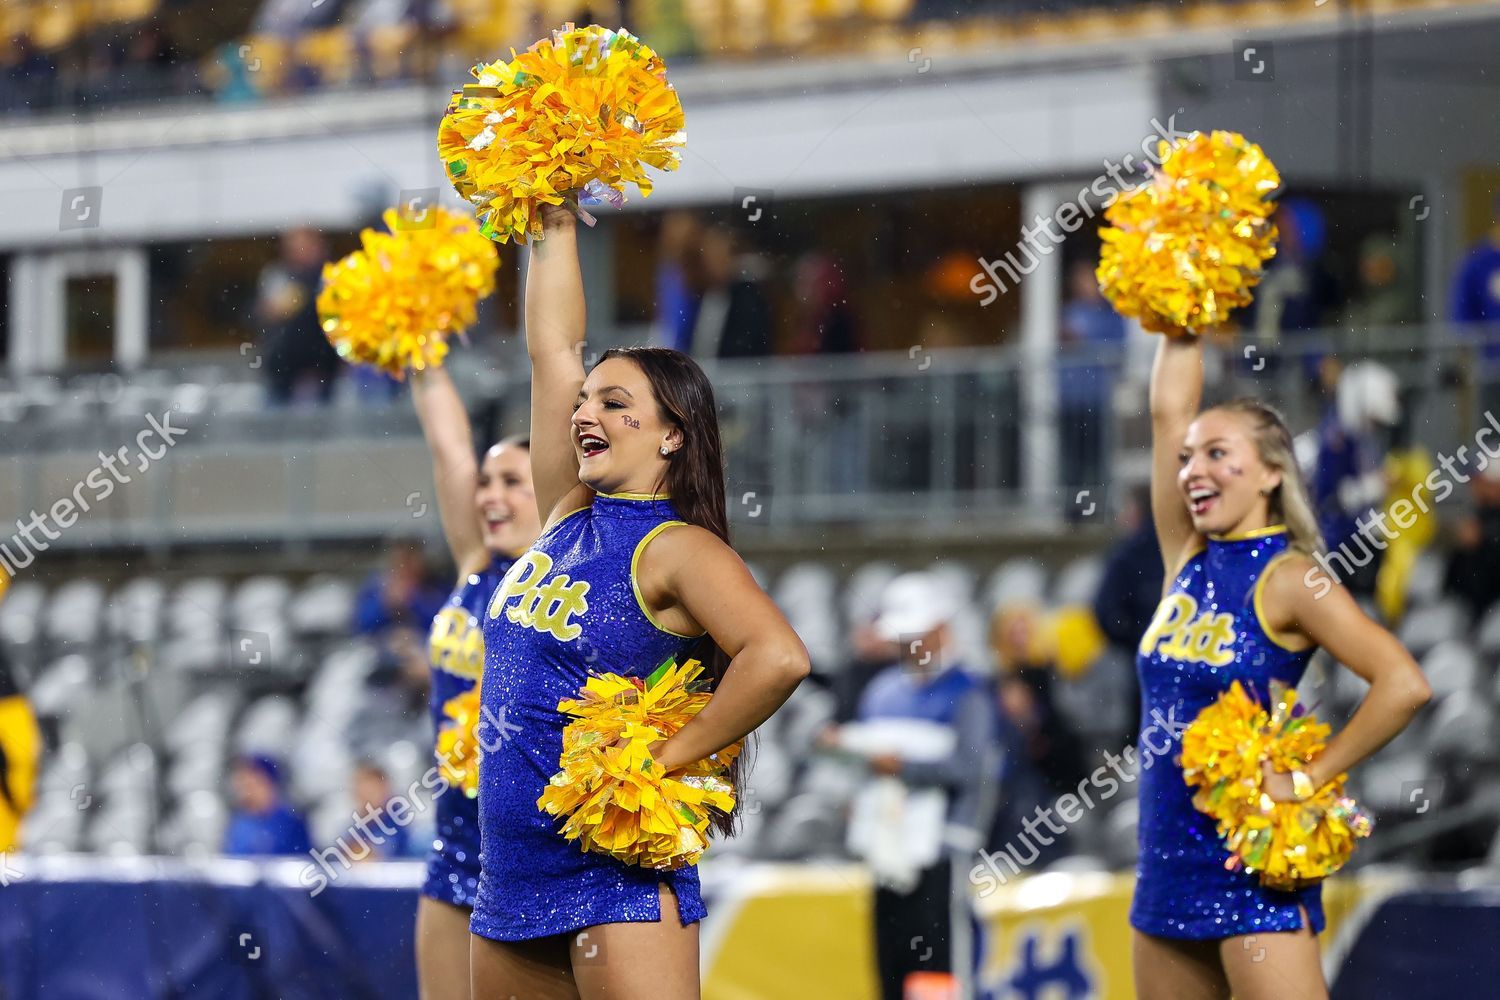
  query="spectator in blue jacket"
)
[
  {"x": 1476, "y": 285},
  {"x": 401, "y": 594},
  {"x": 263, "y": 823},
  {"x": 930, "y": 724}
]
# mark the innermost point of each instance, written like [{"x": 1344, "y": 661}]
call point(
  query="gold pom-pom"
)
[
  {"x": 1287, "y": 844},
  {"x": 458, "y": 742},
  {"x": 394, "y": 302},
  {"x": 616, "y": 799},
  {"x": 1185, "y": 249},
  {"x": 585, "y": 111}
]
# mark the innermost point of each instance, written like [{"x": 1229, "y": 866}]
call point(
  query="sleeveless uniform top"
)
[
  {"x": 456, "y": 650},
  {"x": 568, "y": 607},
  {"x": 1207, "y": 632}
]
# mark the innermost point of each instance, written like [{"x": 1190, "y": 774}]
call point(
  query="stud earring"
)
[
  {"x": 664, "y": 450},
  {"x": 1264, "y": 492}
]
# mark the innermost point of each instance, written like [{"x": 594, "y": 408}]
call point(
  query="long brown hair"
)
[
  {"x": 1288, "y": 503},
  {"x": 694, "y": 479}
]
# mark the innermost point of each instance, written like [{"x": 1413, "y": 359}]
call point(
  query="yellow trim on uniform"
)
[
  {"x": 1274, "y": 529},
  {"x": 561, "y": 518},
  {"x": 635, "y": 586},
  {"x": 1260, "y": 616},
  {"x": 637, "y": 496},
  {"x": 1182, "y": 562}
]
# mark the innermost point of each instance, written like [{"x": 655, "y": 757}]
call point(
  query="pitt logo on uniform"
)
[
  {"x": 457, "y": 644},
  {"x": 1178, "y": 632},
  {"x": 547, "y": 607}
]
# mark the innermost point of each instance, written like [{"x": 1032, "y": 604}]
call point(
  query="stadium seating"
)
[{"x": 164, "y": 647}]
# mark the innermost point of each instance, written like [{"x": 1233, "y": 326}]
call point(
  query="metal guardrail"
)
[{"x": 897, "y": 444}]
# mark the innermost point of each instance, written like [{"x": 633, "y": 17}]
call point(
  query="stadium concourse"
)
[{"x": 880, "y": 247}]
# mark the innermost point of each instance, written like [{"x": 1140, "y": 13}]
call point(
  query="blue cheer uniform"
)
[
  {"x": 568, "y": 607},
  {"x": 1207, "y": 632},
  {"x": 456, "y": 648}
]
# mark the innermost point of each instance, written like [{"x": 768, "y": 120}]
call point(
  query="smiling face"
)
[
  {"x": 619, "y": 430},
  {"x": 1221, "y": 475},
  {"x": 507, "y": 505}
]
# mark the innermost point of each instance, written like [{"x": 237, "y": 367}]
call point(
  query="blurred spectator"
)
[
  {"x": 229, "y": 75},
  {"x": 1349, "y": 483},
  {"x": 394, "y": 704},
  {"x": 29, "y": 76},
  {"x": 678, "y": 261},
  {"x": 301, "y": 365},
  {"x": 926, "y": 729},
  {"x": 1090, "y": 330},
  {"x": 1387, "y": 293},
  {"x": 402, "y": 593},
  {"x": 374, "y": 388},
  {"x": 20, "y": 750},
  {"x": 1129, "y": 591},
  {"x": 1476, "y": 285},
  {"x": 1473, "y": 572},
  {"x": 734, "y": 317},
  {"x": 262, "y": 822},
  {"x": 825, "y": 321},
  {"x": 372, "y": 797},
  {"x": 1298, "y": 293},
  {"x": 1046, "y": 756}
]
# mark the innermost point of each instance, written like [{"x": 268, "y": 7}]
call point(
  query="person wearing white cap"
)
[{"x": 926, "y": 730}]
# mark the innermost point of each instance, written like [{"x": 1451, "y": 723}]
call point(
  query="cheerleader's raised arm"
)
[
  {"x": 1176, "y": 390},
  {"x": 555, "y": 321}
]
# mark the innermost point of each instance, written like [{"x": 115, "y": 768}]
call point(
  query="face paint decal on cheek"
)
[
  {"x": 632, "y": 422},
  {"x": 1235, "y": 470}
]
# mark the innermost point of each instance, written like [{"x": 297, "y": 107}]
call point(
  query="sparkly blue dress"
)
[
  {"x": 567, "y": 608},
  {"x": 456, "y": 648},
  {"x": 1207, "y": 632}
]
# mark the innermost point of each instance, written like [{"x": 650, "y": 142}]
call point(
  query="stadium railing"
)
[{"x": 973, "y": 439}]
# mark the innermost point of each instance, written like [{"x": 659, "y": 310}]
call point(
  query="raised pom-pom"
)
[
  {"x": 1185, "y": 249},
  {"x": 394, "y": 302},
  {"x": 616, "y": 799},
  {"x": 458, "y": 742},
  {"x": 1288, "y": 845},
  {"x": 584, "y": 111}
]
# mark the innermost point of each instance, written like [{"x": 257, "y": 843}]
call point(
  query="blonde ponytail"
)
[{"x": 1289, "y": 503}]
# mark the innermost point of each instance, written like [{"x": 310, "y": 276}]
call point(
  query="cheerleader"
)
[
  {"x": 633, "y": 567},
  {"x": 1244, "y": 600},
  {"x": 489, "y": 517}
]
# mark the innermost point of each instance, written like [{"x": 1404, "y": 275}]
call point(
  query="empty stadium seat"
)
[
  {"x": 196, "y": 608},
  {"x": 21, "y": 611},
  {"x": 267, "y": 726},
  {"x": 134, "y": 611},
  {"x": 862, "y": 590},
  {"x": 1452, "y": 667},
  {"x": 75, "y": 612},
  {"x": 1016, "y": 580},
  {"x": 1465, "y": 729},
  {"x": 62, "y": 686},
  {"x": 1425, "y": 627},
  {"x": 323, "y": 607},
  {"x": 806, "y": 595},
  {"x": 1078, "y": 582}
]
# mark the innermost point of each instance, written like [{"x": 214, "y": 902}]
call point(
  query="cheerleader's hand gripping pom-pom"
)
[
  {"x": 394, "y": 302},
  {"x": 1288, "y": 845},
  {"x": 615, "y": 799},
  {"x": 581, "y": 113},
  {"x": 458, "y": 742},
  {"x": 1185, "y": 249}
]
